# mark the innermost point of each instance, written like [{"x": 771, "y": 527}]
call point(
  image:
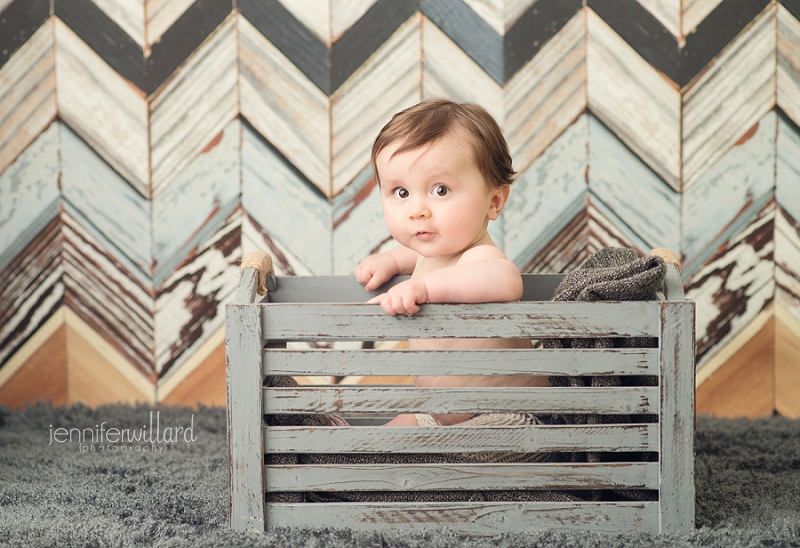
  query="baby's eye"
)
[
  {"x": 440, "y": 190},
  {"x": 400, "y": 192}
]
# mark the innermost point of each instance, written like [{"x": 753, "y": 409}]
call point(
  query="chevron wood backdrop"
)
[{"x": 146, "y": 145}]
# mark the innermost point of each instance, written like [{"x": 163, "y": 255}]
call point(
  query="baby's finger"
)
[{"x": 376, "y": 300}]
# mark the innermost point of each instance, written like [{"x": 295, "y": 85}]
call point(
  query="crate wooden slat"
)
[
  {"x": 410, "y": 399},
  {"x": 474, "y": 518},
  {"x": 363, "y": 322},
  {"x": 455, "y": 477},
  {"x": 419, "y": 439},
  {"x": 591, "y": 361}
]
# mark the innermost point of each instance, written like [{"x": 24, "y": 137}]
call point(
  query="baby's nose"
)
[{"x": 418, "y": 210}]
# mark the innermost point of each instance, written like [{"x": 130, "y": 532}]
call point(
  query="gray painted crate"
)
[{"x": 332, "y": 309}]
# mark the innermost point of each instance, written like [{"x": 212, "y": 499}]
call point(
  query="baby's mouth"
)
[{"x": 422, "y": 235}]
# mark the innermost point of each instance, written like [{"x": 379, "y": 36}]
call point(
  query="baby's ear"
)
[{"x": 499, "y": 197}]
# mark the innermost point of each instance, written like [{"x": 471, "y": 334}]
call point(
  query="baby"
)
[{"x": 444, "y": 172}]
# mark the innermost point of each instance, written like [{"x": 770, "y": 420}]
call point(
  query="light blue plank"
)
[
  {"x": 106, "y": 204},
  {"x": 359, "y": 224},
  {"x": 631, "y": 195},
  {"x": 730, "y": 195},
  {"x": 285, "y": 204},
  {"x": 548, "y": 195},
  {"x": 196, "y": 203},
  {"x": 28, "y": 194},
  {"x": 787, "y": 191}
]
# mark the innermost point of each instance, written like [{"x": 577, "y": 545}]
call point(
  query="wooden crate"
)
[{"x": 330, "y": 309}]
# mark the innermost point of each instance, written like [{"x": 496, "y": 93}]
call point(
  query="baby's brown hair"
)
[{"x": 431, "y": 120}]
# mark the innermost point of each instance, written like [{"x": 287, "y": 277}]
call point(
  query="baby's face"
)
[{"x": 435, "y": 200}]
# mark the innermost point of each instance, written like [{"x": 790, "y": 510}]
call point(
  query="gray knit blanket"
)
[{"x": 611, "y": 274}]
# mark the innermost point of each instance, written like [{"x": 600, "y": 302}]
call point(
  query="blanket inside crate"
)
[{"x": 612, "y": 274}]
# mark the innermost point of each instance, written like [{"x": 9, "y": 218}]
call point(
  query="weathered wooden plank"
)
[
  {"x": 418, "y": 439},
  {"x": 508, "y": 320},
  {"x": 673, "y": 285},
  {"x": 245, "y": 431},
  {"x": 474, "y": 518},
  {"x": 677, "y": 489},
  {"x": 247, "y": 286},
  {"x": 505, "y": 399},
  {"x": 455, "y": 477},
  {"x": 590, "y": 361}
]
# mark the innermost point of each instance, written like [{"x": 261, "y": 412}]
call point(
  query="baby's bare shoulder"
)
[{"x": 482, "y": 253}]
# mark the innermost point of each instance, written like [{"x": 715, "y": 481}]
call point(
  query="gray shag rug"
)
[{"x": 52, "y": 494}]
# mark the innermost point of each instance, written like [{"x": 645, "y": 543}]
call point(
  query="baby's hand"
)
[
  {"x": 404, "y": 298},
  {"x": 373, "y": 271}
]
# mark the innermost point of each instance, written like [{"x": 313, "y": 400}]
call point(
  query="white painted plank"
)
[
  {"x": 467, "y": 439},
  {"x": 638, "y": 103},
  {"x": 508, "y": 320},
  {"x": 668, "y": 13},
  {"x": 128, "y": 14},
  {"x": 474, "y": 518},
  {"x": 412, "y": 399},
  {"x": 617, "y": 361},
  {"x": 735, "y": 91},
  {"x": 386, "y": 83},
  {"x": 161, "y": 14},
  {"x": 195, "y": 105},
  {"x": 345, "y": 13},
  {"x": 106, "y": 110},
  {"x": 788, "y": 64},
  {"x": 315, "y": 15},
  {"x": 27, "y": 94},
  {"x": 284, "y": 105},
  {"x": 787, "y": 189},
  {"x": 456, "y": 477},
  {"x": 695, "y": 11},
  {"x": 547, "y": 94}
]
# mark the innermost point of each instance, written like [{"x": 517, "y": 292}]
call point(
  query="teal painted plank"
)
[
  {"x": 547, "y": 195},
  {"x": 787, "y": 191},
  {"x": 285, "y": 204},
  {"x": 729, "y": 196},
  {"x": 195, "y": 205},
  {"x": 638, "y": 202},
  {"x": 359, "y": 227},
  {"x": 106, "y": 205},
  {"x": 28, "y": 194}
]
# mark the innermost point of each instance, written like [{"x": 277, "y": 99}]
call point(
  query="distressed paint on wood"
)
[
  {"x": 788, "y": 73},
  {"x": 29, "y": 190},
  {"x": 106, "y": 295},
  {"x": 787, "y": 264},
  {"x": 197, "y": 203},
  {"x": 33, "y": 289},
  {"x": 128, "y": 14},
  {"x": 787, "y": 191},
  {"x": 314, "y": 15},
  {"x": 190, "y": 302},
  {"x": 345, "y": 13},
  {"x": 648, "y": 209},
  {"x": 245, "y": 428},
  {"x": 547, "y": 95},
  {"x": 734, "y": 286},
  {"x": 394, "y": 400},
  {"x": 284, "y": 106},
  {"x": 695, "y": 11},
  {"x": 633, "y": 99},
  {"x": 676, "y": 453},
  {"x": 716, "y": 32},
  {"x": 730, "y": 195},
  {"x": 161, "y": 14},
  {"x": 667, "y": 12},
  {"x": 643, "y": 31},
  {"x": 359, "y": 228},
  {"x": 422, "y": 439},
  {"x": 106, "y": 206},
  {"x": 194, "y": 107},
  {"x": 449, "y": 72},
  {"x": 639, "y": 361},
  {"x": 447, "y": 477},
  {"x": 386, "y": 83},
  {"x": 730, "y": 97},
  {"x": 508, "y": 320},
  {"x": 255, "y": 238},
  {"x": 20, "y": 21},
  {"x": 279, "y": 199},
  {"x": 567, "y": 250},
  {"x": 27, "y": 93},
  {"x": 103, "y": 108},
  {"x": 474, "y": 518}
]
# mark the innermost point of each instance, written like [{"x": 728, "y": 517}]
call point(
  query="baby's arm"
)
[
  {"x": 482, "y": 275},
  {"x": 376, "y": 269}
]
